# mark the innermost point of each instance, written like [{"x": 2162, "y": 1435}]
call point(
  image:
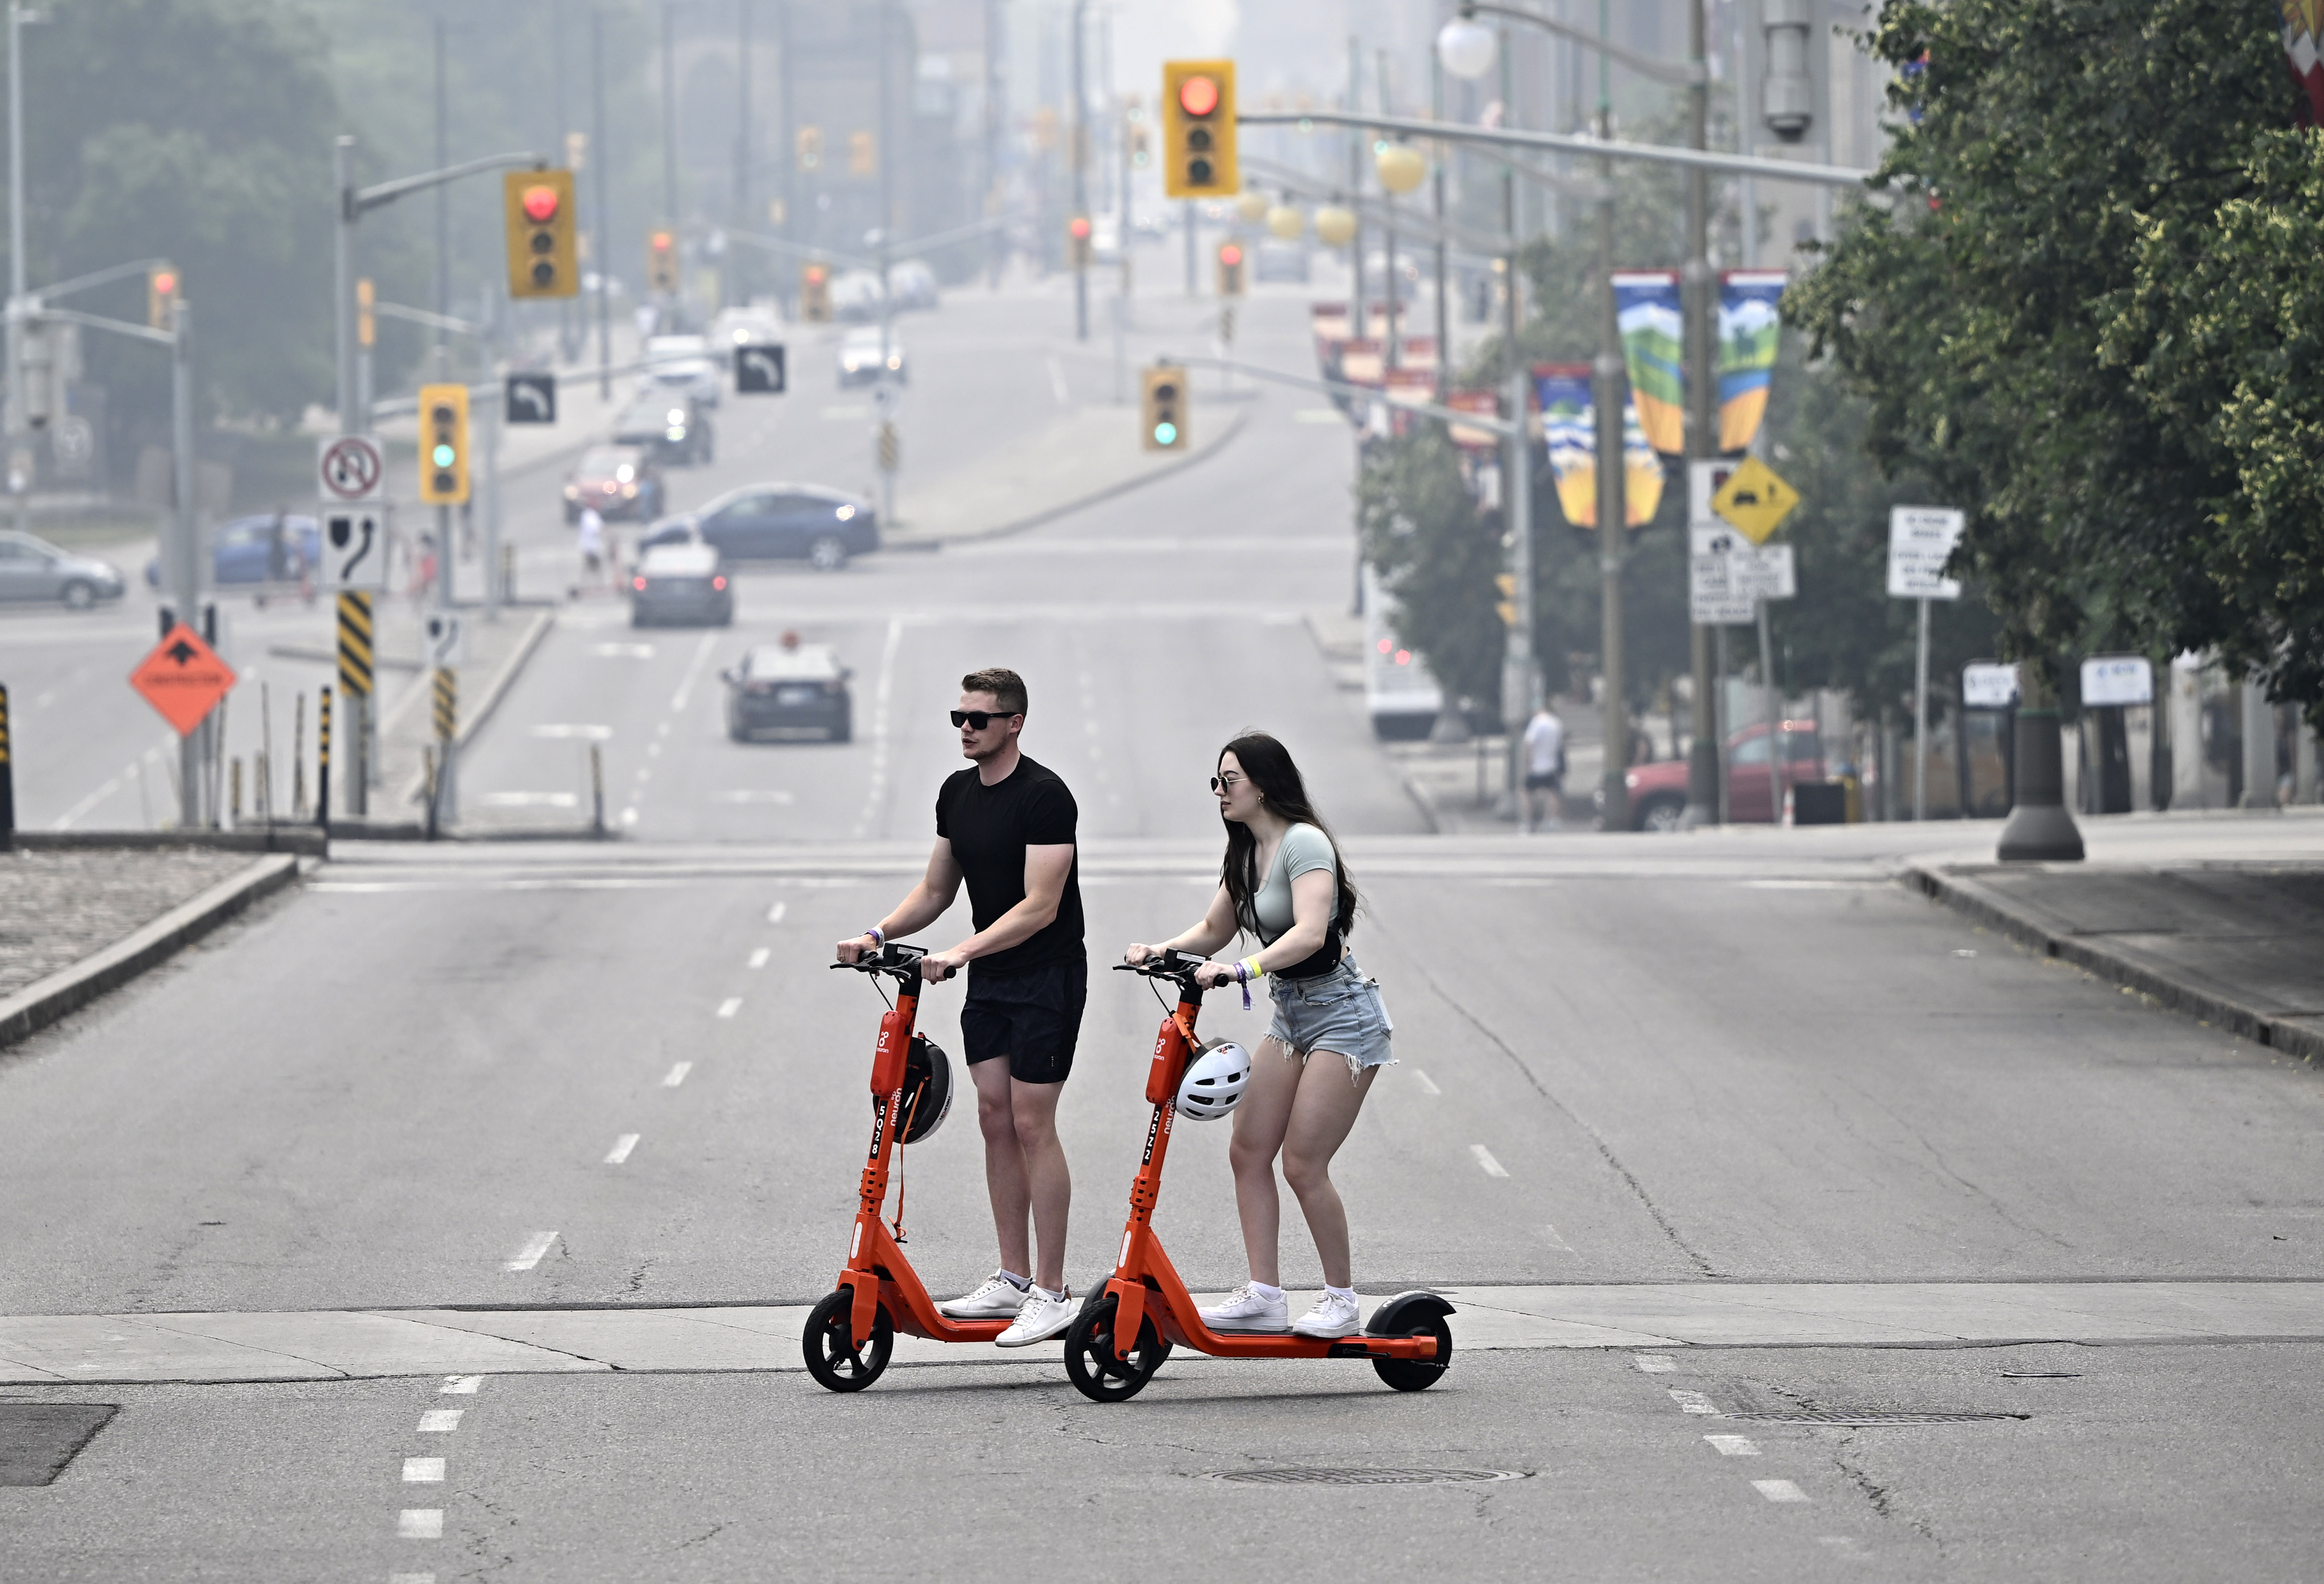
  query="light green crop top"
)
[{"x": 1304, "y": 848}]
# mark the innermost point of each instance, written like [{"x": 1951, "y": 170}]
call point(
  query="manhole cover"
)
[
  {"x": 37, "y": 1440},
  {"x": 1867, "y": 1416},
  {"x": 1371, "y": 1475}
]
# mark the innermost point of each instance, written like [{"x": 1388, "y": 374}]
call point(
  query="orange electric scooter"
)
[
  {"x": 851, "y": 1334},
  {"x": 1127, "y": 1328}
]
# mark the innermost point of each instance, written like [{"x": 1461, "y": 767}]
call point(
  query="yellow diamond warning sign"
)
[{"x": 1755, "y": 500}]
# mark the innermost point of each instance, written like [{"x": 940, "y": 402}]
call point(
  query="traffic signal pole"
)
[
  {"x": 185, "y": 564},
  {"x": 1081, "y": 169},
  {"x": 1703, "y": 416}
]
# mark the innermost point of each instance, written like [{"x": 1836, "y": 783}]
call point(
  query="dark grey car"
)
[
  {"x": 681, "y": 584},
  {"x": 32, "y": 569},
  {"x": 778, "y": 522}
]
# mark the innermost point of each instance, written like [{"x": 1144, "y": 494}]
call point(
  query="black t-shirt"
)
[{"x": 989, "y": 828}]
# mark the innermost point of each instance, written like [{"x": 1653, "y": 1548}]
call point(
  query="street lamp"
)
[
  {"x": 1401, "y": 167},
  {"x": 1465, "y": 46},
  {"x": 1335, "y": 227},
  {"x": 1285, "y": 221}
]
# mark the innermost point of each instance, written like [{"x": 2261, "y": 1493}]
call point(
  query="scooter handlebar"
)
[
  {"x": 895, "y": 957},
  {"x": 1172, "y": 964}
]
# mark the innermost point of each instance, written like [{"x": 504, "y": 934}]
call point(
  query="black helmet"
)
[{"x": 927, "y": 1090}]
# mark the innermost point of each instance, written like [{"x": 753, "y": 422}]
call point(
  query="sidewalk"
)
[{"x": 342, "y": 1345}]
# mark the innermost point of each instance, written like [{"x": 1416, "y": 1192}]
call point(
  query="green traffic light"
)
[
  {"x": 442, "y": 455},
  {"x": 1166, "y": 434}
]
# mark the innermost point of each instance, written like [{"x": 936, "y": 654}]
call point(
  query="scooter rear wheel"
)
[
  {"x": 1417, "y": 1375},
  {"x": 1090, "y": 1361},
  {"x": 829, "y": 1344}
]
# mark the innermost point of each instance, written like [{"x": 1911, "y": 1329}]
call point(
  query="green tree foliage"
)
[
  {"x": 1438, "y": 555},
  {"x": 2067, "y": 158}
]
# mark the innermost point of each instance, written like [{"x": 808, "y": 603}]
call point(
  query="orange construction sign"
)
[{"x": 183, "y": 678}]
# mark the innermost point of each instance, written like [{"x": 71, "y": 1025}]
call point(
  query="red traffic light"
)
[
  {"x": 1229, "y": 254},
  {"x": 1198, "y": 95},
  {"x": 539, "y": 204},
  {"x": 815, "y": 275},
  {"x": 165, "y": 284},
  {"x": 659, "y": 241},
  {"x": 1081, "y": 227}
]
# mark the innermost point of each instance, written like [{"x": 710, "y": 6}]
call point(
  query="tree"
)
[{"x": 1438, "y": 555}]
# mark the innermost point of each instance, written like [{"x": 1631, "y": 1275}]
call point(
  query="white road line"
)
[
  {"x": 620, "y": 1150},
  {"x": 420, "y": 1524},
  {"x": 678, "y": 1074},
  {"x": 630, "y": 815},
  {"x": 1492, "y": 1168},
  {"x": 1427, "y": 1084},
  {"x": 440, "y": 1421},
  {"x": 1058, "y": 384},
  {"x": 1692, "y": 1402},
  {"x": 412, "y": 1579},
  {"x": 1555, "y": 1240},
  {"x": 1734, "y": 1446},
  {"x": 693, "y": 669},
  {"x": 460, "y": 1385},
  {"x": 653, "y": 749},
  {"x": 531, "y": 799},
  {"x": 622, "y": 651},
  {"x": 1654, "y": 1363},
  {"x": 775, "y": 914},
  {"x": 424, "y": 1470},
  {"x": 1779, "y": 1490},
  {"x": 758, "y": 957},
  {"x": 875, "y": 789},
  {"x": 65, "y": 820},
  {"x": 591, "y": 733},
  {"x": 539, "y": 1245},
  {"x": 730, "y": 1006}
]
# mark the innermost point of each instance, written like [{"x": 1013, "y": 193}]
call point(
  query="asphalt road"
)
[{"x": 1746, "y": 1055}]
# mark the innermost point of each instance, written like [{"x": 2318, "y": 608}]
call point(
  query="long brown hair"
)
[{"x": 1267, "y": 763}]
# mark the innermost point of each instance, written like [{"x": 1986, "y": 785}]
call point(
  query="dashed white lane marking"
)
[
  {"x": 65, "y": 820},
  {"x": 424, "y": 1470},
  {"x": 537, "y": 1246},
  {"x": 420, "y": 1524},
  {"x": 1654, "y": 1363},
  {"x": 875, "y": 790},
  {"x": 460, "y": 1385},
  {"x": 775, "y": 914},
  {"x": 440, "y": 1421},
  {"x": 1058, "y": 383},
  {"x": 1427, "y": 1084},
  {"x": 630, "y": 815},
  {"x": 730, "y": 1006},
  {"x": 1556, "y": 1240},
  {"x": 662, "y": 730},
  {"x": 592, "y": 734},
  {"x": 1691, "y": 1402},
  {"x": 1846, "y": 1546},
  {"x": 1734, "y": 1446},
  {"x": 620, "y": 1150},
  {"x": 758, "y": 957},
  {"x": 531, "y": 800},
  {"x": 622, "y": 651},
  {"x": 693, "y": 669},
  {"x": 653, "y": 749},
  {"x": 678, "y": 1071},
  {"x": 1491, "y": 1167},
  {"x": 412, "y": 1579},
  {"x": 1779, "y": 1490}
]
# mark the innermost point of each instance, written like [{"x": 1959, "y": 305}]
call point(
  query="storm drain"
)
[
  {"x": 37, "y": 1440},
  {"x": 1371, "y": 1475},
  {"x": 1869, "y": 1416}
]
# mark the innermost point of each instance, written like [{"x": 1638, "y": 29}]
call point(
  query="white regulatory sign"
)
[
  {"x": 446, "y": 637},
  {"x": 2118, "y": 679},
  {"x": 354, "y": 549},
  {"x": 1988, "y": 685},
  {"x": 349, "y": 469},
  {"x": 1704, "y": 479},
  {"x": 1726, "y": 574},
  {"x": 1921, "y": 540}
]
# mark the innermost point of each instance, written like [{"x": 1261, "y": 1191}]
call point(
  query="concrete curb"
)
[
  {"x": 43, "y": 1003},
  {"x": 1966, "y": 897},
  {"x": 542, "y": 621},
  {"x": 304, "y": 839}
]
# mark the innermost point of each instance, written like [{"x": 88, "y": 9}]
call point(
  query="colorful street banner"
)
[
  {"x": 1748, "y": 327},
  {"x": 1469, "y": 437},
  {"x": 1654, "y": 346},
  {"x": 1568, "y": 427},
  {"x": 2303, "y": 48}
]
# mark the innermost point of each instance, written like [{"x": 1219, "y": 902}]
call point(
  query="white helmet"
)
[{"x": 1214, "y": 1081}]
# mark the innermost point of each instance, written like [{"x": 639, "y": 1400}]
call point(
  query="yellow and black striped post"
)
[
  {"x": 323, "y": 764},
  {"x": 8, "y": 779},
  {"x": 356, "y": 684},
  {"x": 448, "y": 703}
]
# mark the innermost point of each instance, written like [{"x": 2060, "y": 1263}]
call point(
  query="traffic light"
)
[
  {"x": 661, "y": 260},
  {"x": 1230, "y": 269},
  {"x": 815, "y": 294},
  {"x": 1507, "y": 584},
  {"x": 1198, "y": 129},
  {"x": 543, "y": 259},
  {"x": 1079, "y": 252},
  {"x": 1164, "y": 408},
  {"x": 444, "y": 444},
  {"x": 862, "y": 154},
  {"x": 162, "y": 296},
  {"x": 810, "y": 147},
  {"x": 1141, "y": 143}
]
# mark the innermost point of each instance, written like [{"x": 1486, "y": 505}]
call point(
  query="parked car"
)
[
  {"x": 681, "y": 584},
  {"x": 1276, "y": 260},
  {"x": 34, "y": 570},
  {"x": 682, "y": 365},
  {"x": 860, "y": 361},
  {"x": 619, "y": 481},
  {"x": 670, "y": 429},
  {"x": 1657, "y": 791},
  {"x": 762, "y": 523},
  {"x": 274, "y": 547},
  {"x": 855, "y": 296},
  {"x": 913, "y": 285},
  {"x": 790, "y": 689}
]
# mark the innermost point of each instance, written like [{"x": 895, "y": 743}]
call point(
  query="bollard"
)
[
  {"x": 597, "y": 789},
  {"x": 299, "y": 758},
  {"x": 323, "y": 761},
  {"x": 8, "y": 779},
  {"x": 508, "y": 573},
  {"x": 428, "y": 773},
  {"x": 235, "y": 815}
]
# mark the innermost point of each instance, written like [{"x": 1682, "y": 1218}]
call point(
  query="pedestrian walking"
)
[
  {"x": 1544, "y": 768},
  {"x": 1005, "y": 826},
  {"x": 1283, "y": 882},
  {"x": 590, "y": 541}
]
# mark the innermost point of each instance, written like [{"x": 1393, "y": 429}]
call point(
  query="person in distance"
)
[
  {"x": 1284, "y": 882},
  {"x": 1006, "y": 826}
]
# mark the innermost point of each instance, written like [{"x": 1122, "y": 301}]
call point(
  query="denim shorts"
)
[{"x": 1339, "y": 1011}]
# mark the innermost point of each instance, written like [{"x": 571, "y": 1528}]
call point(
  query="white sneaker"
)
[
  {"x": 1043, "y": 1314},
  {"x": 1246, "y": 1311},
  {"x": 1333, "y": 1316},
  {"x": 998, "y": 1298}
]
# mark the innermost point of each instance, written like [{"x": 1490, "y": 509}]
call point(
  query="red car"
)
[{"x": 1658, "y": 791}]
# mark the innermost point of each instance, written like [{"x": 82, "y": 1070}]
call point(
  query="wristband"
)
[
  {"x": 1252, "y": 962},
  {"x": 878, "y": 939}
]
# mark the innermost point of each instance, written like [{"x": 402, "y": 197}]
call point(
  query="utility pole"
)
[
  {"x": 737, "y": 291},
  {"x": 1395, "y": 358},
  {"x": 601, "y": 158},
  {"x": 995, "y": 124},
  {"x": 1436, "y": 176},
  {"x": 184, "y": 558},
  {"x": 443, "y": 209},
  {"x": 1080, "y": 135},
  {"x": 1613, "y": 508},
  {"x": 670, "y": 141},
  {"x": 20, "y": 481},
  {"x": 1701, "y": 309},
  {"x": 1517, "y": 668},
  {"x": 1359, "y": 319},
  {"x": 884, "y": 441}
]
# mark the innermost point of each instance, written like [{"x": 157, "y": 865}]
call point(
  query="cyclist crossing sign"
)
[{"x": 350, "y": 469}]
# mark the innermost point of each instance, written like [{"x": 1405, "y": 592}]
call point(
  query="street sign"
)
[
  {"x": 1762, "y": 572},
  {"x": 447, "y": 638},
  {"x": 2118, "y": 679},
  {"x": 1755, "y": 500},
  {"x": 532, "y": 398},
  {"x": 354, "y": 549},
  {"x": 1704, "y": 479},
  {"x": 1920, "y": 539},
  {"x": 759, "y": 370},
  {"x": 1727, "y": 574},
  {"x": 1987, "y": 685},
  {"x": 183, "y": 678},
  {"x": 350, "y": 469}
]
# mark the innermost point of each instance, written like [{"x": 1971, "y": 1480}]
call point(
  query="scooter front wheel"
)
[
  {"x": 1417, "y": 1375},
  {"x": 1090, "y": 1361},
  {"x": 828, "y": 1341}
]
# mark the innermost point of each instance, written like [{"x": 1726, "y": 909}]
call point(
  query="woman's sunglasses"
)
[
  {"x": 1225, "y": 783},
  {"x": 977, "y": 720}
]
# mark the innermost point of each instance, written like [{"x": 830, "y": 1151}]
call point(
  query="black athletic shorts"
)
[
  {"x": 1548, "y": 781},
  {"x": 1033, "y": 1016}
]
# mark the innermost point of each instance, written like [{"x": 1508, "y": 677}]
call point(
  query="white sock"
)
[
  {"x": 1272, "y": 1294},
  {"x": 1022, "y": 1284},
  {"x": 1043, "y": 1293},
  {"x": 1346, "y": 1294}
]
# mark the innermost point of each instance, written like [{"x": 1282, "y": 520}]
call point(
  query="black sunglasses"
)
[
  {"x": 978, "y": 720},
  {"x": 1223, "y": 784}
]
